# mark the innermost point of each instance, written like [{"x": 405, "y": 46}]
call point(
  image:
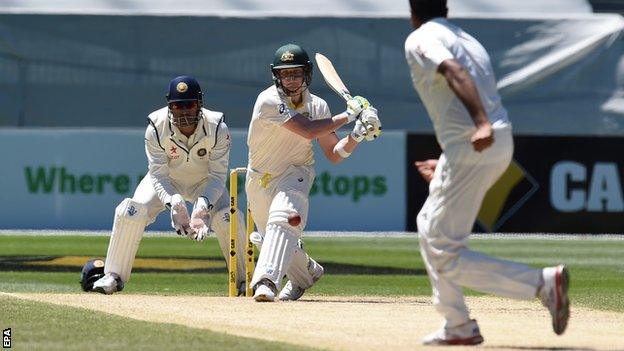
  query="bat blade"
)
[{"x": 331, "y": 76}]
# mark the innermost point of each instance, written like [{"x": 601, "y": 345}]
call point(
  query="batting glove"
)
[
  {"x": 359, "y": 131},
  {"x": 355, "y": 106},
  {"x": 372, "y": 123}
]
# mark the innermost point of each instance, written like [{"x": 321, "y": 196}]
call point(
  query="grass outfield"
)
[
  {"x": 42, "y": 326},
  {"x": 173, "y": 265}
]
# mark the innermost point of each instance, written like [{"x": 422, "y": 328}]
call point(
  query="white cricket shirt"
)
[
  {"x": 425, "y": 49},
  {"x": 192, "y": 167},
  {"x": 272, "y": 147}
]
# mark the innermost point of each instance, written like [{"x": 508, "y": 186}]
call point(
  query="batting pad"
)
[
  {"x": 299, "y": 271},
  {"x": 278, "y": 248},
  {"x": 302, "y": 266},
  {"x": 286, "y": 203},
  {"x": 128, "y": 227}
]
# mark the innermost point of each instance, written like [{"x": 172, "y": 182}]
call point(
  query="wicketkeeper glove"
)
[
  {"x": 200, "y": 219},
  {"x": 179, "y": 215}
]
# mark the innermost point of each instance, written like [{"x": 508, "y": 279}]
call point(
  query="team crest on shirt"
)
[
  {"x": 306, "y": 115},
  {"x": 173, "y": 152},
  {"x": 201, "y": 152},
  {"x": 281, "y": 108}
]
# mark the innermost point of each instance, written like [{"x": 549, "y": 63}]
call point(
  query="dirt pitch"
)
[{"x": 358, "y": 323}]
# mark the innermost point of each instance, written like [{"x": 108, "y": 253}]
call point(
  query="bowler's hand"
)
[
  {"x": 483, "y": 137},
  {"x": 426, "y": 169}
]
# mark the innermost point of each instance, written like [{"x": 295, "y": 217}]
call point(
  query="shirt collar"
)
[
  {"x": 306, "y": 97},
  {"x": 176, "y": 133}
]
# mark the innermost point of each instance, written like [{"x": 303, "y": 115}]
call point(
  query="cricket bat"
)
[
  {"x": 331, "y": 76},
  {"x": 333, "y": 79}
]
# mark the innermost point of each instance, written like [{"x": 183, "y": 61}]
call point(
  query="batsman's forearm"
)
[
  {"x": 343, "y": 148},
  {"x": 463, "y": 86},
  {"x": 319, "y": 128}
]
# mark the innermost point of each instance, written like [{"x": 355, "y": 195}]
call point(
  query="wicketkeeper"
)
[{"x": 187, "y": 149}]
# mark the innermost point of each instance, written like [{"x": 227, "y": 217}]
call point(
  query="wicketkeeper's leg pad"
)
[{"x": 130, "y": 220}]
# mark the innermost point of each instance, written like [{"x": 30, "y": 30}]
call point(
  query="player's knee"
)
[
  {"x": 223, "y": 215},
  {"x": 447, "y": 264},
  {"x": 287, "y": 221},
  {"x": 129, "y": 209},
  {"x": 421, "y": 222},
  {"x": 292, "y": 218}
]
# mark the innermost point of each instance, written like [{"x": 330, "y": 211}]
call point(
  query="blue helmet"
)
[
  {"x": 184, "y": 88},
  {"x": 91, "y": 272},
  {"x": 183, "y": 91}
]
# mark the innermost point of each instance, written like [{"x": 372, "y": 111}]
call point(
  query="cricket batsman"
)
[
  {"x": 286, "y": 119},
  {"x": 187, "y": 149}
]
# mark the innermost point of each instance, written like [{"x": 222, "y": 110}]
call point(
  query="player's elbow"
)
[
  {"x": 458, "y": 76},
  {"x": 335, "y": 159},
  {"x": 453, "y": 71},
  {"x": 310, "y": 135}
]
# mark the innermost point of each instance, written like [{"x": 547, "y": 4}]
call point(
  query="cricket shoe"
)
[
  {"x": 465, "y": 334},
  {"x": 108, "y": 284},
  {"x": 291, "y": 292},
  {"x": 265, "y": 291},
  {"x": 554, "y": 296}
]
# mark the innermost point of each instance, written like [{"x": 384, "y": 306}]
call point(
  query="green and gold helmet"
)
[{"x": 291, "y": 56}]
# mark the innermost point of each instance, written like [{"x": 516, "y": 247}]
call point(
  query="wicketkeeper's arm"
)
[
  {"x": 158, "y": 166},
  {"x": 218, "y": 164}
]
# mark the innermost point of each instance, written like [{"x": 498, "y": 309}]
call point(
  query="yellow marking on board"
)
[{"x": 496, "y": 197}]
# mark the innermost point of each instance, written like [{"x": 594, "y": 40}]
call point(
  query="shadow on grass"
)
[
  {"x": 401, "y": 300},
  {"x": 178, "y": 265},
  {"x": 501, "y": 347}
]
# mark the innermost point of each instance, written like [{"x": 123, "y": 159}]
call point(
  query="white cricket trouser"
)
[
  {"x": 461, "y": 180},
  {"x": 123, "y": 246},
  {"x": 272, "y": 201}
]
